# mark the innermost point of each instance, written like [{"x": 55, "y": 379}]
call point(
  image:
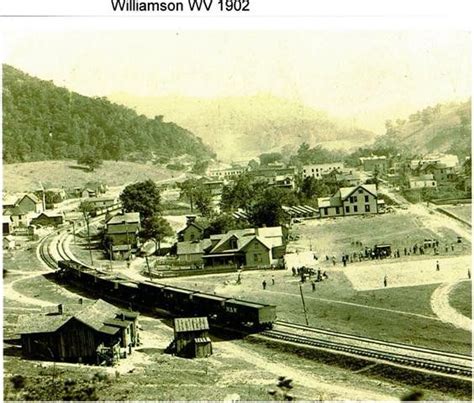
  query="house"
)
[
  {"x": 101, "y": 202},
  {"x": 121, "y": 232},
  {"x": 193, "y": 231},
  {"x": 249, "y": 247},
  {"x": 18, "y": 216},
  {"x": 355, "y": 200},
  {"x": 423, "y": 181},
  {"x": 75, "y": 332},
  {"x": 374, "y": 164},
  {"x": 9, "y": 201},
  {"x": 318, "y": 170},
  {"x": 48, "y": 219},
  {"x": 443, "y": 167},
  {"x": 191, "y": 337},
  {"x": 7, "y": 225},
  {"x": 30, "y": 203},
  {"x": 226, "y": 173}
]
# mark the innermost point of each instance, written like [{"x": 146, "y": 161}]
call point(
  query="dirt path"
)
[
  {"x": 319, "y": 388},
  {"x": 11, "y": 294},
  {"x": 442, "y": 309}
]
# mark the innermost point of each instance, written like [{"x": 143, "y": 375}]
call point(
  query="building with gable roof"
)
[
  {"x": 30, "y": 203},
  {"x": 74, "y": 332},
  {"x": 122, "y": 235},
  {"x": 355, "y": 200},
  {"x": 191, "y": 337},
  {"x": 193, "y": 231}
]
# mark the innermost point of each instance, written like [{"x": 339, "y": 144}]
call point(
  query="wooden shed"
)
[{"x": 191, "y": 337}]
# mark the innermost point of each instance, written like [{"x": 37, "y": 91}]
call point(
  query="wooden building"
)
[
  {"x": 193, "y": 231},
  {"x": 48, "y": 219},
  {"x": 122, "y": 234},
  {"x": 74, "y": 332},
  {"x": 191, "y": 337}
]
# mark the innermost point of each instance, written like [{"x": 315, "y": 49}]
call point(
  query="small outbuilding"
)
[{"x": 191, "y": 337}]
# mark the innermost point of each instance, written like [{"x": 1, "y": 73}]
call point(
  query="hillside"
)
[
  {"x": 43, "y": 122},
  {"x": 248, "y": 126},
  {"x": 440, "y": 128},
  {"x": 29, "y": 176}
]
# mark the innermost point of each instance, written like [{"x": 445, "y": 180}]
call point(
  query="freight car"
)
[{"x": 178, "y": 301}]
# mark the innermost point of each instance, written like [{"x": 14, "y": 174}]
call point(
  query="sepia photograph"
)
[{"x": 237, "y": 215}]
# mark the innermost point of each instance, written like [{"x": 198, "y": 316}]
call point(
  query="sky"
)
[{"x": 365, "y": 76}]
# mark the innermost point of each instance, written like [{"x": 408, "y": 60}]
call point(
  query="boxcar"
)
[
  {"x": 250, "y": 314},
  {"x": 209, "y": 305},
  {"x": 178, "y": 299}
]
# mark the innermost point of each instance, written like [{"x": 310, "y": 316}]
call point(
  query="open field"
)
[
  {"x": 461, "y": 298},
  {"x": 464, "y": 212},
  {"x": 400, "y": 229},
  {"x": 397, "y": 314},
  {"x": 23, "y": 177}
]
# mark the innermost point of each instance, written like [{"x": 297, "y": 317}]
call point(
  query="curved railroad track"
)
[
  {"x": 396, "y": 353},
  {"x": 51, "y": 249}
]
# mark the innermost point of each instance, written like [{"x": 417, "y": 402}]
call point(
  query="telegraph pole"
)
[{"x": 304, "y": 306}]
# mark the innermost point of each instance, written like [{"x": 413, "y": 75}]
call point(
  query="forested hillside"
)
[
  {"x": 42, "y": 121},
  {"x": 439, "y": 128}
]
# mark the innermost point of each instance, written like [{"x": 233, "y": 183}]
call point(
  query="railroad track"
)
[{"x": 396, "y": 353}]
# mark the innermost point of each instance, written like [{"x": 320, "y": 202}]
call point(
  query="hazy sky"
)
[{"x": 368, "y": 76}]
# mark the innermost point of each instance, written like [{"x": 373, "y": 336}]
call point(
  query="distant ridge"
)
[{"x": 237, "y": 126}]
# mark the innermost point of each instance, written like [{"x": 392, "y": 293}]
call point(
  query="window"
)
[
  {"x": 325, "y": 211},
  {"x": 347, "y": 209},
  {"x": 367, "y": 208},
  {"x": 337, "y": 210},
  {"x": 366, "y": 199},
  {"x": 256, "y": 257},
  {"x": 353, "y": 199},
  {"x": 360, "y": 191},
  {"x": 355, "y": 209}
]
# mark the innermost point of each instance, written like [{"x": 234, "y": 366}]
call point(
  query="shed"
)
[{"x": 191, "y": 337}]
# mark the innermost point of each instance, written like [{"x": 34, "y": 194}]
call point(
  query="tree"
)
[
  {"x": 200, "y": 167},
  {"x": 197, "y": 194},
  {"x": 142, "y": 197},
  {"x": 91, "y": 160},
  {"x": 268, "y": 158},
  {"x": 156, "y": 227},
  {"x": 221, "y": 224}
]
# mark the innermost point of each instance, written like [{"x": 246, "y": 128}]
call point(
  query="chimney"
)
[
  {"x": 60, "y": 309},
  {"x": 256, "y": 231},
  {"x": 80, "y": 301},
  {"x": 190, "y": 219}
]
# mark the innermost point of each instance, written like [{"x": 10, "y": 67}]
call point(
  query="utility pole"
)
[{"x": 304, "y": 306}]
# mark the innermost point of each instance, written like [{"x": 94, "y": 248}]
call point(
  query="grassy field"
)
[
  {"x": 463, "y": 212},
  {"x": 23, "y": 177},
  {"x": 461, "y": 298},
  {"x": 336, "y": 236},
  {"x": 398, "y": 314}
]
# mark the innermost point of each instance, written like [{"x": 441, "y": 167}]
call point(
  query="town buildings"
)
[
  {"x": 423, "y": 181},
  {"x": 318, "y": 170}
]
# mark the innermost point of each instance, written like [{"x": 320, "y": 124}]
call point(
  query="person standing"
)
[
  {"x": 385, "y": 281},
  {"x": 264, "y": 284},
  {"x": 437, "y": 265},
  {"x": 313, "y": 285},
  {"x": 273, "y": 279}
]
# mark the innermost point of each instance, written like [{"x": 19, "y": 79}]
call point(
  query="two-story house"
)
[
  {"x": 122, "y": 241},
  {"x": 355, "y": 200}
]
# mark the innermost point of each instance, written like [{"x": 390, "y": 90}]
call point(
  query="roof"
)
[
  {"x": 347, "y": 191},
  {"x": 124, "y": 218},
  {"x": 17, "y": 210},
  {"x": 93, "y": 314},
  {"x": 202, "y": 340},
  {"x": 190, "y": 324},
  {"x": 32, "y": 197},
  {"x": 49, "y": 214},
  {"x": 188, "y": 248},
  {"x": 6, "y": 218}
]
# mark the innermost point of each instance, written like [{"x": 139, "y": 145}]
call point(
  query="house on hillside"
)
[
  {"x": 194, "y": 230},
  {"x": 121, "y": 231},
  {"x": 355, "y": 200},
  {"x": 374, "y": 164},
  {"x": 77, "y": 332},
  {"x": 48, "y": 219}
]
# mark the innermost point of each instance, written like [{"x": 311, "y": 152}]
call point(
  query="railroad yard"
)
[{"x": 351, "y": 300}]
